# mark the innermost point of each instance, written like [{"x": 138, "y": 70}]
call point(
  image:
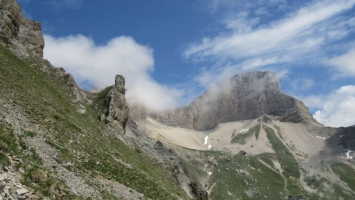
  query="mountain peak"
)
[
  {"x": 241, "y": 97},
  {"x": 257, "y": 80}
]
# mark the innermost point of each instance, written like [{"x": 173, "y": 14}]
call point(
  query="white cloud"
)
[
  {"x": 98, "y": 65},
  {"x": 344, "y": 63},
  {"x": 313, "y": 101},
  {"x": 209, "y": 77},
  {"x": 337, "y": 108},
  {"x": 302, "y": 84},
  {"x": 245, "y": 44},
  {"x": 65, "y": 3},
  {"x": 294, "y": 32},
  {"x": 240, "y": 23},
  {"x": 216, "y": 5},
  {"x": 261, "y": 11}
]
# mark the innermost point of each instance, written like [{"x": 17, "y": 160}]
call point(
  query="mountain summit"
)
[{"x": 241, "y": 97}]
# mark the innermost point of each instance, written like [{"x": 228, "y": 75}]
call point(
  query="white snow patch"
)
[
  {"x": 206, "y": 138},
  {"x": 348, "y": 155},
  {"x": 209, "y": 173},
  {"x": 321, "y": 137},
  {"x": 209, "y": 146},
  {"x": 243, "y": 130}
]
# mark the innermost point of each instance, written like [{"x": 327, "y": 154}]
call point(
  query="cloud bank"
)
[
  {"x": 96, "y": 65},
  {"x": 338, "y": 107},
  {"x": 344, "y": 63}
]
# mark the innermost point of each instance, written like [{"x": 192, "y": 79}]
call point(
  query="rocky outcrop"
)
[
  {"x": 198, "y": 192},
  {"x": 10, "y": 186},
  {"x": 241, "y": 97},
  {"x": 116, "y": 107},
  {"x": 22, "y": 36},
  {"x": 77, "y": 91}
]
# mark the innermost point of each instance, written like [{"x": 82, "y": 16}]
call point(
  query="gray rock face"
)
[
  {"x": 77, "y": 91},
  {"x": 116, "y": 108},
  {"x": 22, "y": 36},
  {"x": 242, "y": 97}
]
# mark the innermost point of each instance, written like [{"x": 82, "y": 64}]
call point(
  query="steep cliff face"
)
[
  {"x": 22, "y": 36},
  {"x": 242, "y": 97},
  {"x": 116, "y": 108}
]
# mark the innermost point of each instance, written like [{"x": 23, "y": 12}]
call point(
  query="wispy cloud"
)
[
  {"x": 97, "y": 66},
  {"x": 240, "y": 5},
  {"x": 244, "y": 44},
  {"x": 301, "y": 84},
  {"x": 64, "y": 4}
]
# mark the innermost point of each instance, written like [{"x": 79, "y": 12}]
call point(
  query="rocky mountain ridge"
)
[
  {"x": 22, "y": 36},
  {"x": 241, "y": 97}
]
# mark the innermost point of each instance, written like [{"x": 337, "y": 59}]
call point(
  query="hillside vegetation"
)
[
  {"x": 274, "y": 175},
  {"x": 60, "y": 140}
]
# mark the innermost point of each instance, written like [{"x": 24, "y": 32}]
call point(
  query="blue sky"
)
[{"x": 170, "y": 51}]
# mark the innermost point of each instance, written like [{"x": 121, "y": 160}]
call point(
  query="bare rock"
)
[
  {"x": 78, "y": 92},
  {"x": 21, "y": 191},
  {"x": 22, "y": 36},
  {"x": 242, "y": 97},
  {"x": 245, "y": 182},
  {"x": 116, "y": 108},
  {"x": 243, "y": 153},
  {"x": 198, "y": 192}
]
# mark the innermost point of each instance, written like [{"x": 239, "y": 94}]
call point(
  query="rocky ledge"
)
[{"x": 10, "y": 186}]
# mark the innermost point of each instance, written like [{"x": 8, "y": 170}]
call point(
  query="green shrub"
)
[
  {"x": 4, "y": 161},
  {"x": 30, "y": 134}
]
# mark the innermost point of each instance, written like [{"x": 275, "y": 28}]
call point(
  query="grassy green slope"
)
[
  {"x": 242, "y": 138},
  {"x": 262, "y": 180},
  {"x": 287, "y": 161},
  {"x": 258, "y": 182},
  {"x": 35, "y": 175},
  {"x": 345, "y": 173},
  {"x": 46, "y": 100}
]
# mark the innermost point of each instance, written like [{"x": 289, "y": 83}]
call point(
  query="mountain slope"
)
[
  {"x": 264, "y": 158},
  {"x": 76, "y": 145},
  {"x": 60, "y": 142},
  {"x": 243, "y": 139},
  {"x": 258, "y": 142}
]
